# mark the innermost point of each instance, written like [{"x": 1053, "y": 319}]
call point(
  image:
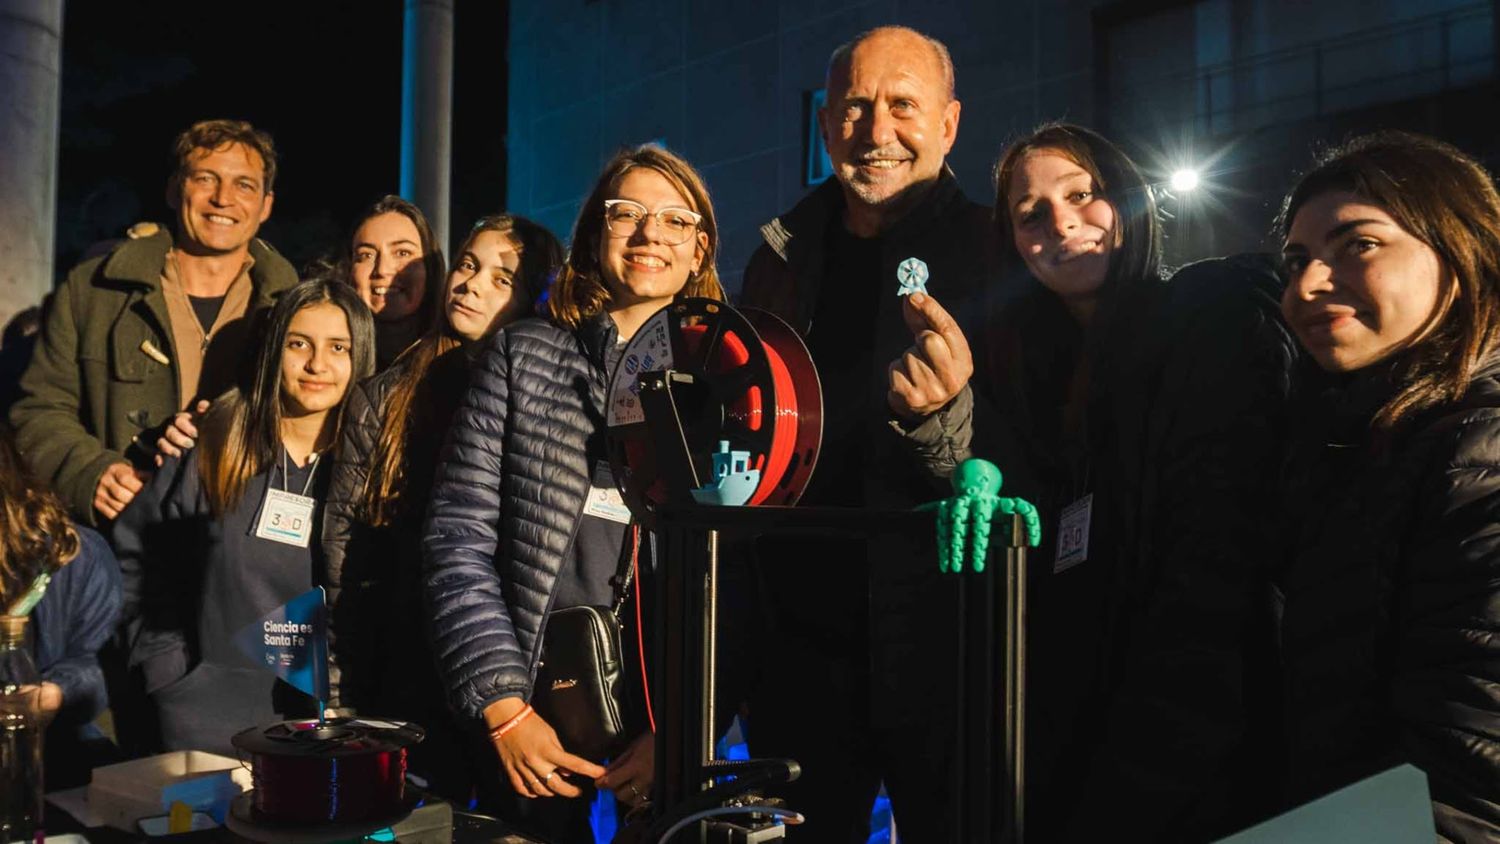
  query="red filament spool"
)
[
  {"x": 339, "y": 771},
  {"x": 754, "y": 386}
]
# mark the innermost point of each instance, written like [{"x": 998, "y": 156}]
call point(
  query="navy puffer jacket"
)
[{"x": 509, "y": 493}]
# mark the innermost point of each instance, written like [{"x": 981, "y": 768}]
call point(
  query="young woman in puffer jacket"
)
[
  {"x": 382, "y": 474},
  {"x": 226, "y": 534},
  {"x": 508, "y": 535},
  {"x": 1390, "y": 596}
]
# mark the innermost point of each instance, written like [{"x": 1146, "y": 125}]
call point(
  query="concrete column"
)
[
  {"x": 427, "y": 110},
  {"x": 30, "y": 103}
]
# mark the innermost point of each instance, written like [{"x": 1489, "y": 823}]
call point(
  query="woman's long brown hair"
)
[
  {"x": 541, "y": 255},
  {"x": 36, "y": 534},
  {"x": 1448, "y": 201},
  {"x": 580, "y": 292}
]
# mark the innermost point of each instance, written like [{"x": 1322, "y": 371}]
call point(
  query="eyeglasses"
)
[{"x": 674, "y": 226}]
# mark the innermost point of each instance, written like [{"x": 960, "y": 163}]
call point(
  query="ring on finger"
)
[{"x": 549, "y": 776}]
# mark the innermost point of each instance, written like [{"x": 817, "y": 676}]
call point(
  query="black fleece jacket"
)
[{"x": 1147, "y": 658}]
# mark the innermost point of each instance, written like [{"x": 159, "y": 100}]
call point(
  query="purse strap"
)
[{"x": 625, "y": 572}]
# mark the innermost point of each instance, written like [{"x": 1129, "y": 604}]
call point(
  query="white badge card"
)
[
  {"x": 1073, "y": 534},
  {"x": 604, "y": 499},
  {"x": 286, "y": 517}
]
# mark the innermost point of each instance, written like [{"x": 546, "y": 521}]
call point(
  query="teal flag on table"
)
[{"x": 292, "y": 642}]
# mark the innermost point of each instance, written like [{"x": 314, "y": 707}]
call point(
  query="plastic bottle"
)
[{"x": 20, "y": 736}]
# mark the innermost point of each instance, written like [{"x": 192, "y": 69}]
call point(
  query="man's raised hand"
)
[{"x": 937, "y": 366}]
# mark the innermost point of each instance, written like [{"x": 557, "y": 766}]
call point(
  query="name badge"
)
[
  {"x": 604, "y": 499},
  {"x": 1073, "y": 534},
  {"x": 286, "y": 517}
]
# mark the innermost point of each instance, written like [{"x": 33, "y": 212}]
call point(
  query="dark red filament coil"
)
[{"x": 347, "y": 787}]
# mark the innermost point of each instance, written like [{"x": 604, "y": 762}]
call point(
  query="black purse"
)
[{"x": 579, "y": 687}]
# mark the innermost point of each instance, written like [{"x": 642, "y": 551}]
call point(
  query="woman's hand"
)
[
  {"x": 631, "y": 774},
  {"x": 532, "y": 756},
  {"x": 180, "y": 433}
]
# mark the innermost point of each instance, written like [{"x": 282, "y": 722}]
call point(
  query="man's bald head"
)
[
  {"x": 843, "y": 55},
  {"x": 888, "y": 122}
]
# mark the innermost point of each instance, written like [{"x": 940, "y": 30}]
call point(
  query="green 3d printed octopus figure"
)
[{"x": 964, "y": 520}]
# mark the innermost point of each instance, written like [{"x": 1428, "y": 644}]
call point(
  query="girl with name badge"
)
[
  {"x": 381, "y": 662},
  {"x": 1142, "y": 415},
  {"x": 227, "y": 534},
  {"x": 522, "y": 522},
  {"x": 392, "y": 256},
  {"x": 1390, "y": 595}
]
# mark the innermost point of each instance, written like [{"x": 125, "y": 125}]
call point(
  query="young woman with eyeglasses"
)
[
  {"x": 377, "y": 498},
  {"x": 221, "y": 537},
  {"x": 1389, "y": 600},
  {"x": 509, "y": 536}
]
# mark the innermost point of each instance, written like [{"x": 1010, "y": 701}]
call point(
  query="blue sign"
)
[
  {"x": 292, "y": 642},
  {"x": 816, "y": 166}
]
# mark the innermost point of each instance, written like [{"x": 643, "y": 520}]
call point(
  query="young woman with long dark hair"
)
[
  {"x": 1142, "y": 416},
  {"x": 395, "y": 262},
  {"x": 1390, "y": 596},
  {"x": 228, "y": 533},
  {"x": 509, "y": 537},
  {"x": 394, "y": 425}
]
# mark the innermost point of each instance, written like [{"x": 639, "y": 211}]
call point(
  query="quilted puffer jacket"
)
[
  {"x": 374, "y": 574},
  {"x": 1390, "y": 621},
  {"x": 506, "y": 503}
]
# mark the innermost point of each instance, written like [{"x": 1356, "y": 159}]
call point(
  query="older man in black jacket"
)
[{"x": 859, "y": 680}]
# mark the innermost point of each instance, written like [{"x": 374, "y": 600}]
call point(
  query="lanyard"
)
[{"x": 286, "y": 478}]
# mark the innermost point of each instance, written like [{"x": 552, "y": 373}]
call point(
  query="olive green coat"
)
[{"x": 96, "y": 380}]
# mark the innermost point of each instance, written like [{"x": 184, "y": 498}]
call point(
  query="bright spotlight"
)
[{"x": 1184, "y": 180}]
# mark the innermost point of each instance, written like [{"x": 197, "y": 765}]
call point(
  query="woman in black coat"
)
[
  {"x": 377, "y": 497},
  {"x": 1143, "y": 417},
  {"x": 1390, "y": 596},
  {"x": 519, "y": 523}
]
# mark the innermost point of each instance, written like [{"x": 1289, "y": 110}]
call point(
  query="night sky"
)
[{"x": 324, "y": 77}]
